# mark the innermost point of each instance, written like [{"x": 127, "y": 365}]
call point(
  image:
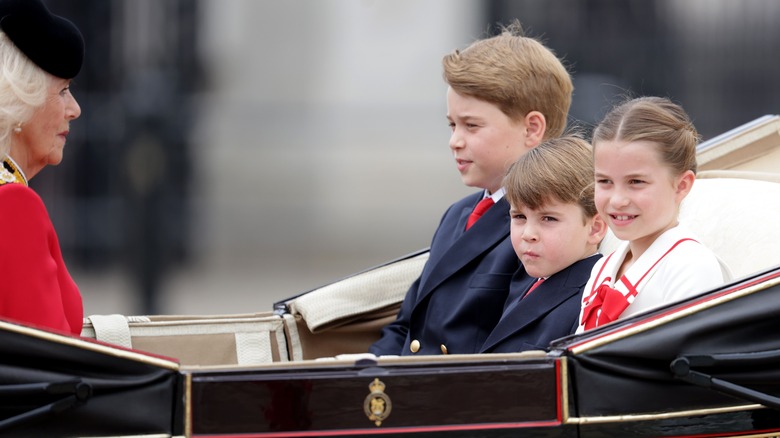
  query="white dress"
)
[{"x": 660, "y": 275}]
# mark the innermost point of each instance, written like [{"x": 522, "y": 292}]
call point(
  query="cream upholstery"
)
[
  {"x": 372, "y": 290},
  {"x": 248, "y": 339}
]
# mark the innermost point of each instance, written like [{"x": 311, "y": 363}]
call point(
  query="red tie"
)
[
  {"x": 479, "y": 210},
  {"x": 534, "y": 286}
]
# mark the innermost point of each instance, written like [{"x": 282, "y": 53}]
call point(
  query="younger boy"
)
[
  {"x": 506, "y": 94},
  {"x": 555, "y": 232}
]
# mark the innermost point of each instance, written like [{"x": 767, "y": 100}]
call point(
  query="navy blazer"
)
[
  {"x": 548, "y": 313},
  {"x": 459, "y": 297}
]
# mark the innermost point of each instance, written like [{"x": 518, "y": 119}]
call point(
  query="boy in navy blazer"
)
[
  {"x": 555, "y": 232},
  {"x": 506, "y": 95}
]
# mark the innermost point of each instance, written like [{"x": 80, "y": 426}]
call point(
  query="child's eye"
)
[
  {"x": 603, "y": 181},
  {"x": 451, "y": 125},
  {"x": 635, "y": 181},
  {"x": 549, "y": 219},
  {"x": 518, "y": 217}
]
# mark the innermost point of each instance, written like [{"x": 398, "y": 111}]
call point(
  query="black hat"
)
[{"x": 50, "y": 41}]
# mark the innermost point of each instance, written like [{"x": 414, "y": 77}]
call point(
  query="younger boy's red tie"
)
[
  {"x": 534, "y": 286},
  {"x": 479, "y": 210}
]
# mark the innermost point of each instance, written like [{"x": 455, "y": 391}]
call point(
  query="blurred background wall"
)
[{"x": 232, "y": 153}]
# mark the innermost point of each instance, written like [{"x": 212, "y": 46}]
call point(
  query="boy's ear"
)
[
  {"x": 598, "y": 229},
  {"x": 535, "y": 127}
]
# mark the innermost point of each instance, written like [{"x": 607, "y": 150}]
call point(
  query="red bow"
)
[{"x": 605, "y": 306}]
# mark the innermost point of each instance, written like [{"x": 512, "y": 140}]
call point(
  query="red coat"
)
[{"x": 35, "y": 287}]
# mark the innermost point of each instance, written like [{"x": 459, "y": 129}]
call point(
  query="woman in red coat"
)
[{"x": 39, "y": 55}]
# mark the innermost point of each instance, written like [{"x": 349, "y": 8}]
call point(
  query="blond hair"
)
[
  {"x": 23, "y": 88},
  {"x": 516, "y": 73},
  {"x": 559, "y": 169},
  {"x": 657, "y": 120}
]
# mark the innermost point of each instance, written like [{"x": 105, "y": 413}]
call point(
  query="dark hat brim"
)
[{"x": 50, "y": 41}]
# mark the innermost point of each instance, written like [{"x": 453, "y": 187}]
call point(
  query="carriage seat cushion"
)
[{"x": 370, "y": 291}]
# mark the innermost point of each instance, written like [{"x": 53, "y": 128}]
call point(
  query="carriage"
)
[{"x": 708, "y": 366}]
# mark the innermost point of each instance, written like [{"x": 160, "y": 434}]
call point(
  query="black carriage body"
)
[
  {"x": 617, "y": 380},
  {"x": 490, "y": 397},
  {"x": 709, "y": 366},
  {"x": 55, "y": 385}
]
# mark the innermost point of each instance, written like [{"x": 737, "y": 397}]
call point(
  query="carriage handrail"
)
[
  {"x": 76, "y": 391},
  {"x": 681, "y": 369}
]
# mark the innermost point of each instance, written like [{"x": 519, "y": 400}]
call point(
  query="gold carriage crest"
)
[{"x": 377, "y": 405}]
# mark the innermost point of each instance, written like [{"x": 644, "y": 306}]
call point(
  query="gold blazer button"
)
[
  {"x": 415, "y": 346},
  {"x": 443, "y": 349}
]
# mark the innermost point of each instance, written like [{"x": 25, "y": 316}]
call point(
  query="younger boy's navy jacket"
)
[{"x": 549, "y": 312}]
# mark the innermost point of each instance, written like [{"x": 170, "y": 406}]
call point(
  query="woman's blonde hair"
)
[{"x": 23, "y": 88}]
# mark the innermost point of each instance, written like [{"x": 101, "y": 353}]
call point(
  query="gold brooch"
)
[
  {"x": 6, "y": 176},
  {"x": 377, "y": 405}
]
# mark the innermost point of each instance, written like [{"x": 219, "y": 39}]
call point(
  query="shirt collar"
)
[{"x": 494, "y": 196}]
